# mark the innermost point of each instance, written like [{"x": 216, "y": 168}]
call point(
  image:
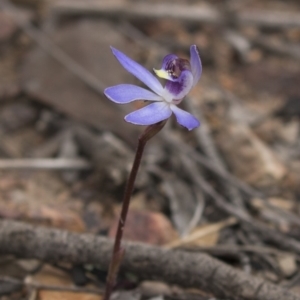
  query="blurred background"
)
[{"x": 66, "y": 151}]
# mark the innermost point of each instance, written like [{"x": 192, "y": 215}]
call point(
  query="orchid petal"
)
[
  {"x": 150, "y": 114},
  {"x": 168, "y": 59},
  {"x": 163, "y": 74},
  {"x": 125, "y": 93},
  {"x": 167, "y": 62},
  {"x": 195, "y": 64},
  {"x": 138, "y": 71},
  {"x": 182, "y": 86},
  {"x": 184, "y": 118}
]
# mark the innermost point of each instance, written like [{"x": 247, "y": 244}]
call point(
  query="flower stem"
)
[{"x": 118, "y": 252}]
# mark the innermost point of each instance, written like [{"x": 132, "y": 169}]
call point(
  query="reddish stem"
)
[{"x": 118, "y": 253}]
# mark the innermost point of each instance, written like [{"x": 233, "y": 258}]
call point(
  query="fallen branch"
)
[
  {"x": 175, "y": 267},
  {"x": 188, "y": 13},
  {"x": 138, "y": 10}
]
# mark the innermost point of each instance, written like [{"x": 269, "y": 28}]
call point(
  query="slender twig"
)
[
  {"x": 198, "y": 212},
  {"x": 118, "y": 252},
  {"x": 223, "y": 250},
  {"x": 239, "y": 42},
  {"x": 44, "y": 164}
]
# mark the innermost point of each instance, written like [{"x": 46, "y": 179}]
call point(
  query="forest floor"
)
[{"x": 228, "y": 190}]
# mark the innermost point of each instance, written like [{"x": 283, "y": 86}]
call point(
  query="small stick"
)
[
  {"x": 221, "y": 250},
  {"x": 44, "y": 163}
]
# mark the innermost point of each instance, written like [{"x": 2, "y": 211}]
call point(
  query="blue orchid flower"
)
[{"x": 181, "y": 76}]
